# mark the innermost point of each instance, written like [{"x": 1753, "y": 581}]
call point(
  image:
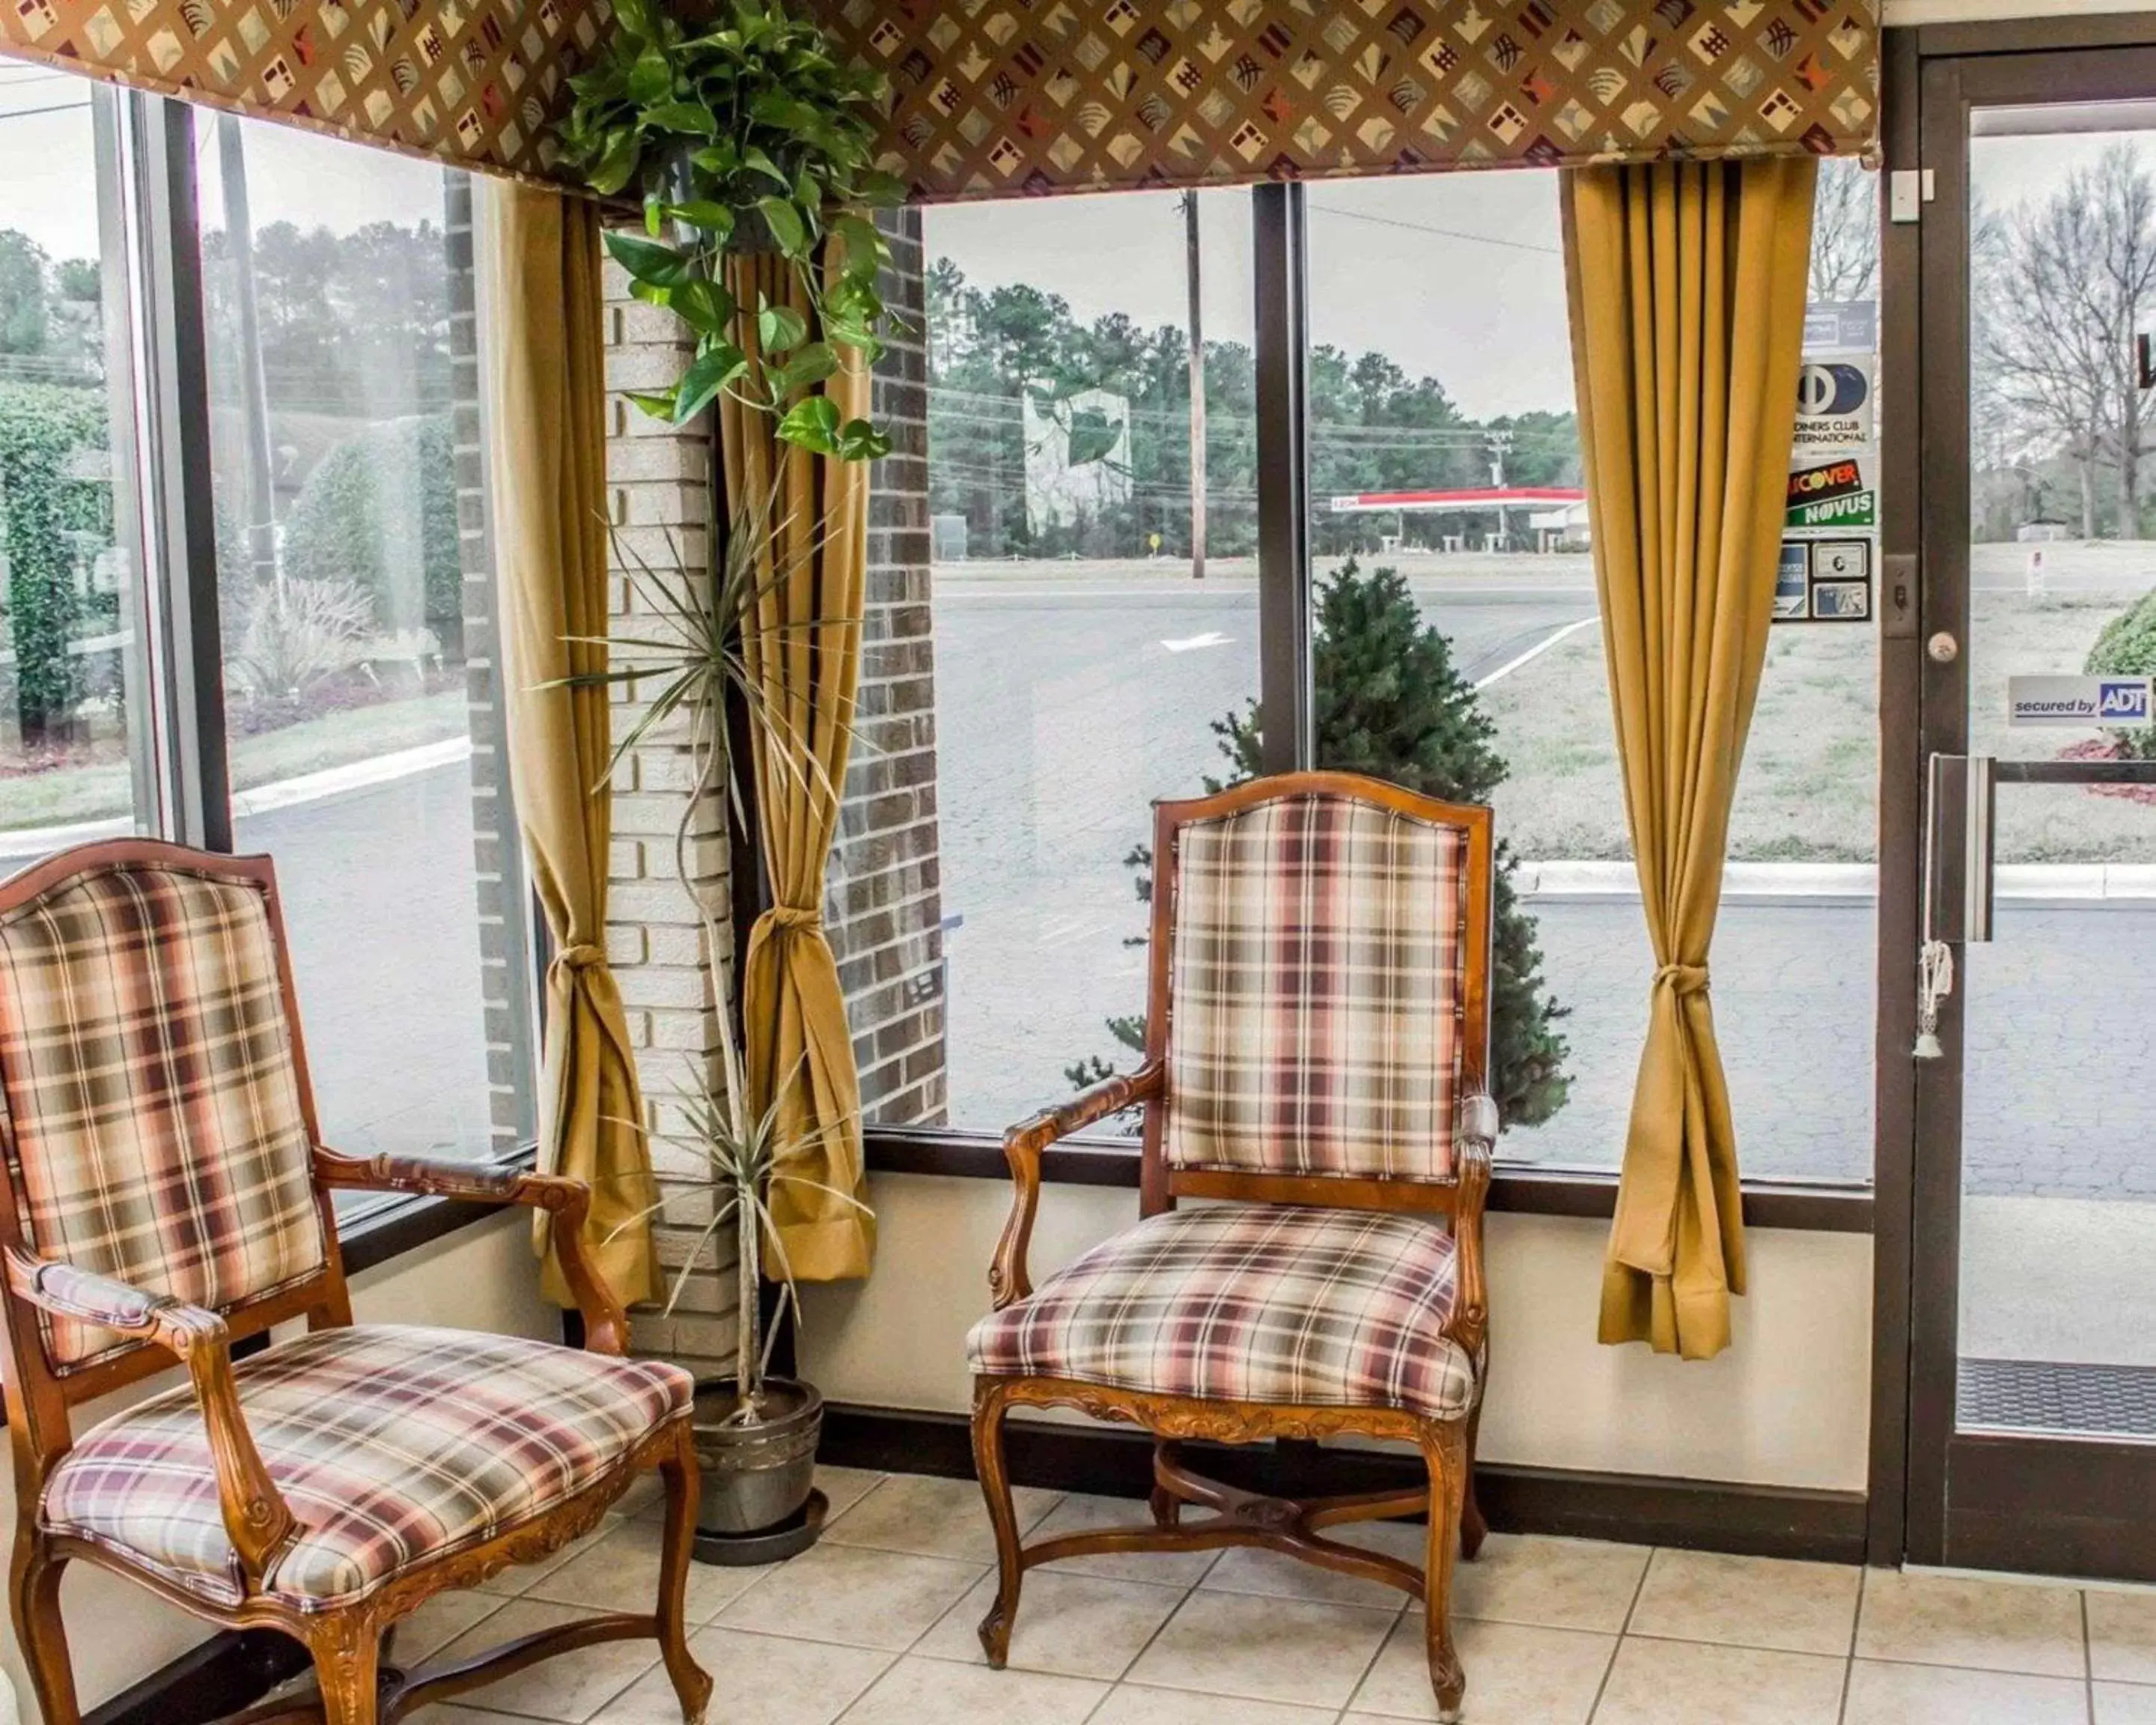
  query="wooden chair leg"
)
[
  {"x": 347, "y": 1652},
  {"x": 1445, "y": 1450},
  {"x": 988, "y": 1463},
  {"x": 692, "y": 1684},
  {"x": 1473, "y": 1529},
  {"x": 1166, "y": 1507},
  {"x": 34, "y": 1603}
]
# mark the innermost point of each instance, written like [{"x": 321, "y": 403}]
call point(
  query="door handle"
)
[{"x": 1959, "y": 791}]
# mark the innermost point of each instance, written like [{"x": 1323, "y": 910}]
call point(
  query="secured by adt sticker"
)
[{"x": 2078, "y": 701}]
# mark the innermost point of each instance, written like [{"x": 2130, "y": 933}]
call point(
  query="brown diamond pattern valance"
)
[
  {"x": 472, "y": 82},
  {"x": 994, "y": 98}
]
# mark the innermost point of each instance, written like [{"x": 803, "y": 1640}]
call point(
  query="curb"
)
[
  {"x": 263, "y": 799},
  {"x": 2070, "y": 884}
]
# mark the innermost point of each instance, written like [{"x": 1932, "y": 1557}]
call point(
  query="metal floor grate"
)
[{"x": 2040, "y": 1396}]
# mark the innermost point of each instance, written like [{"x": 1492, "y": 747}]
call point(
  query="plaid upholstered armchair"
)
[
  {"x": 1317, "y": 1037},
  {"x": 167, "y": 1197}
]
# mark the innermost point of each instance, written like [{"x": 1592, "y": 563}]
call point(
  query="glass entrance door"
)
[{"x": 2033, "y": 1411}]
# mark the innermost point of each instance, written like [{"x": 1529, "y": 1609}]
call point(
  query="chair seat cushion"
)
[
  {"x": 1250, "y": 1303},
  {"x": 392, "y": 1443}
]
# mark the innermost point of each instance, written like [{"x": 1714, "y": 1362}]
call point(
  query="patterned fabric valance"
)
[
  {"x": 994, "y": 98},
  {"x": 997, "y": 97},
  {"x": 476, "y": 83}
]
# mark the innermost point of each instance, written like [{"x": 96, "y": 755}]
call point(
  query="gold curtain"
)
[
  {"x": 1686, "y": 284},
  {"x": 802, "y": 647},
  {"x": 546, "y": 397}
]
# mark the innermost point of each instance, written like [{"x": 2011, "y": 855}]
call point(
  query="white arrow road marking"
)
[{"x": 1191, "y": 643}]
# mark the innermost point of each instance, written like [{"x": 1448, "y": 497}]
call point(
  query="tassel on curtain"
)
[
  {"x": 1686, "y": 284},
  {"x": 546, "y": 395}
]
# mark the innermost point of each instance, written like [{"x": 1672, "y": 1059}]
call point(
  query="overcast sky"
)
[
  {"x": 292, "y": 175},
  {"x": 1456, "y": 275}
]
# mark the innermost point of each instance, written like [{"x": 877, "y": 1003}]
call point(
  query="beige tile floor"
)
[{"x": 876, "y": 1627}]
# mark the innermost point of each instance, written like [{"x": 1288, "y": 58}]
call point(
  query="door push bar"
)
[{"x": 1960, "y": 791}]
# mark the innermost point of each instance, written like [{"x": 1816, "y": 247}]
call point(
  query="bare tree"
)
[
  {"x": 2074, "y": 276},
  {"x": 1845, "y": 231}
]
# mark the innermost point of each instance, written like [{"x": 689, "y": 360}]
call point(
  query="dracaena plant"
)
[
  {"x": 686, "y": 666},
  {"x": 746, "y": 133}
]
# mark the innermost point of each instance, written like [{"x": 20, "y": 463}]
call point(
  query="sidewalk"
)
[{"x": 2067, "y": 885}]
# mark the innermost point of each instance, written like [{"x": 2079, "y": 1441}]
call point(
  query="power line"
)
[
  {"x": 1357, "y": 215},
  {"x": 33, "y": 113}
]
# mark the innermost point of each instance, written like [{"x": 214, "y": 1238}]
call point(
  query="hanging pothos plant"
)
[{"x": 749, "y": 135}]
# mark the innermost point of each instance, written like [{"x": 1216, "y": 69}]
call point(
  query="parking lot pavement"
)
[{"x": 1061, "y": 714}]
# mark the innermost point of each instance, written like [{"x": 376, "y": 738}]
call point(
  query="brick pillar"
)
[
  {"x": 885, "y": 905},
  {"x": 666, "y": 959}
]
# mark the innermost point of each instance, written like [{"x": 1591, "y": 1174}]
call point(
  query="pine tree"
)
[{"x": 1390, "y": 703}]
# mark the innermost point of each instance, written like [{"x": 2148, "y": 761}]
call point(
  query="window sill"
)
[
  {"x": 1517, "y": 1190},
  {"x": 391, "y": 1226}
]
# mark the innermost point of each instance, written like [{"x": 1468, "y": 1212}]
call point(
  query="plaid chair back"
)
[
  {"x": 150, "y": 1100},
  {"x": 1315, "y": 997}
]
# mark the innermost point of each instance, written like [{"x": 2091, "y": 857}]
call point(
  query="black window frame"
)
[{"x": 1285, "y": 699}]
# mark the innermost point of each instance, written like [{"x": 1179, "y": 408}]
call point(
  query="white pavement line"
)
[
  {"x": 285, "y": 793},
  {"x": 1540, "y": 647}
]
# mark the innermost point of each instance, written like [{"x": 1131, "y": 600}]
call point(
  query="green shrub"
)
[
  {"x": 42, "y": 505},
  {"x": 1390, "y": 703},
  {"x": 2127, "y": 648},
  {"x": 379, "y": 513}
]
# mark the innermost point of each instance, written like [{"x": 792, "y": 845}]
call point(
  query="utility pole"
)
[
  {"x": 1191, "y": 255},
  {"x": 254, "y": 383},
  {"x": 1500, "y": 442}
]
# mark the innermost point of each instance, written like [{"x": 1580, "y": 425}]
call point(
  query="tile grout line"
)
[
  {"x": 1849, "y": 1660},
  {"x": 2088, "y": 1658},
  {"x": 1130, "y": 1665},
  {"x": 1624, "y": 1629}
]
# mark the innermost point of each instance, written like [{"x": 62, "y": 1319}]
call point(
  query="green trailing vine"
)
[{"x": 748, "y": 136}]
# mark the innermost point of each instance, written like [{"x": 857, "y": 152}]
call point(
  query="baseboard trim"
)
[
  {"x": 1705, "y": 1514},
  {"x": 230, "y": 1673}
]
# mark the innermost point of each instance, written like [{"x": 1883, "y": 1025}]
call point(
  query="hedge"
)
[
  {"x": 377, "y": 510},
  {"x": 41, "y": 425}
]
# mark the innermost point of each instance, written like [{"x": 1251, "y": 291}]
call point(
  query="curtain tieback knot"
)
[
  {"x": 585, "y": 956},
  {"x": 793, "y": 919},
  {"x": 1682, "y": 980}
]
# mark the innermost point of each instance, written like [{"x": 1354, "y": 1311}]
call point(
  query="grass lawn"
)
[
  {"x": 82, "y": 794},
  {"x": 1809, "y": 789}
]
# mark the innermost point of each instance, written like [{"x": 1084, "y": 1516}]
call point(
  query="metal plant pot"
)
[
  {"x": 755, "y": 1477},
  {"x": 751, "y": 235}
]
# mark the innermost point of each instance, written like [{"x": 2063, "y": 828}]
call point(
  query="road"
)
[
  {"x": 1064, "y": 706},
  {"x": 1046, "y": 764}
]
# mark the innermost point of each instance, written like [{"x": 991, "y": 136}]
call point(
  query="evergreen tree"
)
[{"x": 1390, "y": 703}]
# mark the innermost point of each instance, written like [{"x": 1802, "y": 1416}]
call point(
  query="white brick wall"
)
[{"x": 658, "y": 485}]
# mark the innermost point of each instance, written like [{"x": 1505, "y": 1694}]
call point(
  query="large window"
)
[
  {"x": 1078, "y": 670},
  {"x": 76, "y": 750},
  {"x": 349, "y": 620},
  {"x": 358, "y": 694},
  {"x": 1094, "y": 617},
  {"x": 1446, "y": 495}
]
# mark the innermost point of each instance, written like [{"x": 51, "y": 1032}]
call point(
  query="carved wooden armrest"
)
[
  {"x": 1474, "y": 1139},
  {"x": 1008, "y": 1280},
  {"x": 256, "y": 1519},
  {"x": 568, "y": 1201}
]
